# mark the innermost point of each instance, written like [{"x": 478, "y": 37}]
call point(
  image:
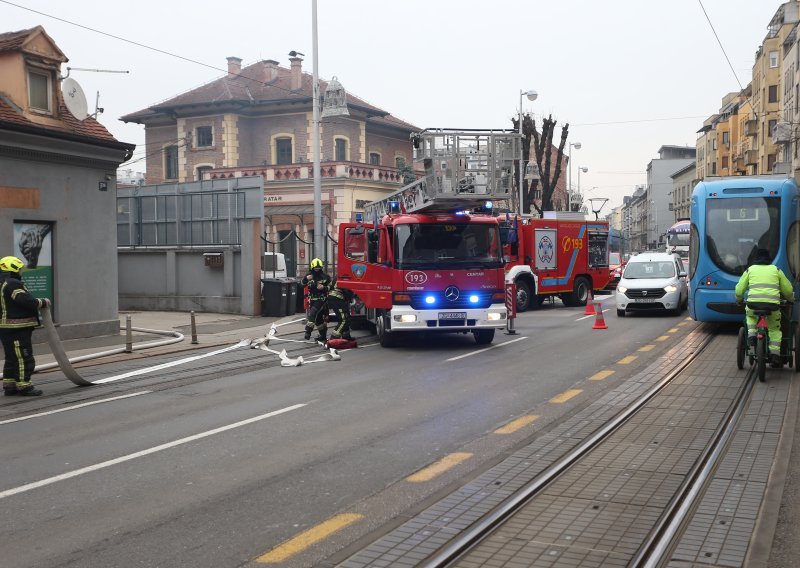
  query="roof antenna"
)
[{"x": 74, "y": 97}]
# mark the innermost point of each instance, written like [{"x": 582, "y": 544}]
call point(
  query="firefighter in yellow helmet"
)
[
  {"x": 317, "y": 283},
  {"x": 19, "y": 314},
  {"x": 764, "y": 283}
]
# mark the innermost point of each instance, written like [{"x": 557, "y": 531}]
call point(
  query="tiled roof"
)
[
  {"x": 15, "y": 41},
  {"x": 251, "y": 86},
  {"x": 88, "y": 128}
]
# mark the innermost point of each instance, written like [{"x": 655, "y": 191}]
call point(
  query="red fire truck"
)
[
  {"x": 431, "y": 258},
  {"x": 563, "y": 255}
]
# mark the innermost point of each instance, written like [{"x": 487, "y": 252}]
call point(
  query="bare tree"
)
[{"x": 542, "y": 145}]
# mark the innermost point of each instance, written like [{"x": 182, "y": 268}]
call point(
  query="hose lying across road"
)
[{"x": 66, "y": 364}]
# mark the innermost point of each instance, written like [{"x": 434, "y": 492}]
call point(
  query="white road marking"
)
[
  {"x": 129, "y": 457},
  {"x": 592, "y": 315},
  {"x": 486, "y": 349},
  {"x": 170, "y": 364},
  {"x": 37, "y": 415}
]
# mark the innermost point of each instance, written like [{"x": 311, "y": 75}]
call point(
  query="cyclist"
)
[{"x": 764, "y": 283}]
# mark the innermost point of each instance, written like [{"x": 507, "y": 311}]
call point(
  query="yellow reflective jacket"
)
[{"x": 764, "y": 283}]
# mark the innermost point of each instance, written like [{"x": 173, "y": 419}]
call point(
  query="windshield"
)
[
  {"x": 452, "y": 245},
  {"x": 736, "y": 227},
  {"x": 659, "y": 269},
  {"x": 678, "y": 239}
]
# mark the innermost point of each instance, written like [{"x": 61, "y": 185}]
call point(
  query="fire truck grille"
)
[
  {"x": 484, "y": 300},
  {"x": 645, "y": 293}
]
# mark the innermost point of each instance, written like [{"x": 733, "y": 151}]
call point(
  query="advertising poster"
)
[{"x": 33, "y": 243}]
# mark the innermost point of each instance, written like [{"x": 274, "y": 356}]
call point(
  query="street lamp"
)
[
  {"x": 335, "y": 105},
  {"x": 577, "y": 146},
  {"x": 597, "y": 203},
  {"x": 583, "y": 169},
  {"x": 531, "y": 97},
  {"x": 655, "y": 222}
]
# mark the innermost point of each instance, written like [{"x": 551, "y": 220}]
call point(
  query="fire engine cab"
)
[
  {"x": 562, "y": 255},
  {"x": 431, "y": 258}
]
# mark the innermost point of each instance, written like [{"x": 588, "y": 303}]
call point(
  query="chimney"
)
[
  {"x": 234, "y": 65},
  {"x": 297, "y": 72},
  {"x": 271, "y": 69}
]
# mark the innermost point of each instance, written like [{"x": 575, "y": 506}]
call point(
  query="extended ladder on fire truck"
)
[{"x": 463, "y": 168}]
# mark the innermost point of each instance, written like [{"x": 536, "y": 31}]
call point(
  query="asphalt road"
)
[{"x": 214, "y": 463}]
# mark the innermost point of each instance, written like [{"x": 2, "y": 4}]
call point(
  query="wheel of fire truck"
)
[
  {"x": 483, "y": 336},
  {"x": 526, "y": 299},
  {"x": 579, "y": 294},
  {"x": 385, "y": 337}
]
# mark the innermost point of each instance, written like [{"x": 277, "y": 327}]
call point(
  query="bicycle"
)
[{"x": 758, "y": 354}]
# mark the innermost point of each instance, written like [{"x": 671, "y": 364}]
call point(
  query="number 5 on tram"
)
[{"x": 731, "y": 218}]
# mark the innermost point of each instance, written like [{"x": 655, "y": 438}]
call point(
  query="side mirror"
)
[{"x": 682, "y": 275}]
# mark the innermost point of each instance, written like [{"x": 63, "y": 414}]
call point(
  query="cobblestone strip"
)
[
  {"x": 720, "y": 531},
  {"x": 660, "y": 466}
]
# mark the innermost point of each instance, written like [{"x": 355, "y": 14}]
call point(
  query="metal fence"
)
[{"x": 181, "y": 219}]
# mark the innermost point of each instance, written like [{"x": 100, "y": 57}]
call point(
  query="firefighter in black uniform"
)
[
  {"x": 339, "y": 301},
  {"x": 318, "y": 284},
  {"x": 19, "y": 314}
]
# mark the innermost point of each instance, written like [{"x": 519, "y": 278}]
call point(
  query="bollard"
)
[
  {"x": 194, "y": 330},
  {"x": 128, "y": 335}
]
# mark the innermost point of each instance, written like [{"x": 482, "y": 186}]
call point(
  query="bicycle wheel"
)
[
  {"x": 741, "y": 348},
  {"x": 761, "y": 358}
]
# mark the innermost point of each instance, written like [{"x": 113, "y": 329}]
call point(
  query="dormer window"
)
[{"x": 40, "y": 91}]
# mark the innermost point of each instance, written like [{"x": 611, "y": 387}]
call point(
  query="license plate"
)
[
  {"x": 452, "y": 315},
  {"x": 646, "y": 300}
]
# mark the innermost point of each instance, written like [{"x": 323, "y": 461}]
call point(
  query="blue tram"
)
[{"x": 731, "y": 218}]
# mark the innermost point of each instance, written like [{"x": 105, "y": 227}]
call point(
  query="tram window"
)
[
  {"x": 694, "y": 248},
  {"x": 736, "y": 227},
  {"x": 793, "y": 248}
]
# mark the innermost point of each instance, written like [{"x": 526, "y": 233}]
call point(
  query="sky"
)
[{"x": 628, "y": 76}]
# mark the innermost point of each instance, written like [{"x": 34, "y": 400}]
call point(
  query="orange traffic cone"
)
[
  {"x": 589, "y": 311},
  {"x": 599, "y": 322}
]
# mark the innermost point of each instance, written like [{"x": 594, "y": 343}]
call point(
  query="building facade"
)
[
  {"x": 57, "y": 188},
  {"x": 257, "y": 120}
]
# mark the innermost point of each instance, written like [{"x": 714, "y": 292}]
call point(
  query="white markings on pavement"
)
[
  {"x": 153, "y": 450},
  {"x": 592, "y": 315},
  {"x": 242, "y": 343},
  {"x": 37, "y": 415},
  {"x": 487, "y": 349}
]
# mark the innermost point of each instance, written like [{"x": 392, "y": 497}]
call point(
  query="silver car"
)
[{"x": 653, "y": 282}]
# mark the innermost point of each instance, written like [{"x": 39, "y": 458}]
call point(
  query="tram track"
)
[{"x": 655, "y": 548}]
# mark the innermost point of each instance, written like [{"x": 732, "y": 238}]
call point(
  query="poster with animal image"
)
[{"x": 33, "y": 243}]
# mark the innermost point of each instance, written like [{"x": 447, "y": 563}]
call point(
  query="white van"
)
[
  {"x": 653, "y": 281},
  {"x": 273, "y": 265}
]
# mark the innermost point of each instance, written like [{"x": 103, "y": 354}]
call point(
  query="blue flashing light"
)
[
  {"x": 359, "y": 217},
  {"x": 461, "y": 212},
  {"x": 430, "y": 299},
  {"x": 394, "y": 207},
  {"x": 473, "y": 299},
  {"x": 488, "y": 205}
]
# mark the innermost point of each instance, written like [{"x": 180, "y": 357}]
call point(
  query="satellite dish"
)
[{"x": 74, "y": 98}]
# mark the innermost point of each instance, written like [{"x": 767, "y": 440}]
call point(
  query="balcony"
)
[
  {"x": 304, "y": 171},
  {"x": 751, "y": 127},
  {"x": 751, "y": 157}
]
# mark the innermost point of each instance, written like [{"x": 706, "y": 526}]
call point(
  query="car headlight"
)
[
  {"x": 671, "y": 288},
  {"x": 622, "y": 289}
]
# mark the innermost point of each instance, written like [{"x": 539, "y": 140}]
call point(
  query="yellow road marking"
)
[
  {"x": 438, "y": 468},
  {"x": 601, "y": 375},
  {"x": 662, "y": 338},
  {"x": 627, "y": 360},
  {"x": 565, "y": 396},
  {"x": 517, "y": 424},
  {"x": 308, "y": 538},
  {"x": 680, "y": 324},
  {"x": 673, "y": 330},
  {"x": 646, "y": 348}
]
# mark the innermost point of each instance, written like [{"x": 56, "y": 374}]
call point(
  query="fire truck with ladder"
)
[
  {"x": 562, "y": 255},
  {"x": 428, "y": 258}
]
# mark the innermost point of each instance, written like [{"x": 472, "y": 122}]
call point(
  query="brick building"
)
[{"x": 257, "y": 120}]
